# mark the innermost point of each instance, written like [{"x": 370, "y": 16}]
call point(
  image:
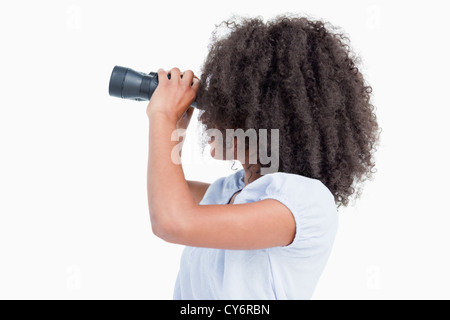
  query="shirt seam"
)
[{"x": 289, "y": 205}]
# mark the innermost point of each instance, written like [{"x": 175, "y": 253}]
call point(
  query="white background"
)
[{"x": 73, "y": 206}]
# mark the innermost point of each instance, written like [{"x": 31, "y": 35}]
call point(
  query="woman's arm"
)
[
  {"x": 175, "y": 215},
  {"x": 198, "y": 189}
]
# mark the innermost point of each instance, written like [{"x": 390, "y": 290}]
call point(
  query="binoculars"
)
[{"x": 126, "y": 83}]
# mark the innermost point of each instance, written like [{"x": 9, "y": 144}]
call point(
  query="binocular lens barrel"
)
[{"x": 126, "y": 83}]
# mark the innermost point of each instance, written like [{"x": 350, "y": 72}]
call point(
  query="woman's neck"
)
[{"x": 252, "y": 172}]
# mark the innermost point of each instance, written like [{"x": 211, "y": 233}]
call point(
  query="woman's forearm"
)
[{"x": 167, "y": 190}]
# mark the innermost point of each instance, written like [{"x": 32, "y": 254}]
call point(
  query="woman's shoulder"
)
[
  {"x": 222, "y": 186},
  {"x": 290, "y": 185},
  {"x": 311, "y": 203},
  {"x": 299, "y": 190}
]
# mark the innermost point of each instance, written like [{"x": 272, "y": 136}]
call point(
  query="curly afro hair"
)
[{"x": 297, "y": 75}]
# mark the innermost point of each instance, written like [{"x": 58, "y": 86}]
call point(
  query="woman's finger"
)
[
  {"x": 162, "y": 75},
  {"x": 175, "y": 73},
  {"x": 187, "y": 77},
  {"x": 195, "y": 84}
]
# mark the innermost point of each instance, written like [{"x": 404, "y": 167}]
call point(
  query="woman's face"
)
[{"x": 222, "y": 147}]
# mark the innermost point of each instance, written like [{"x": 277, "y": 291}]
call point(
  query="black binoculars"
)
[{"x": 126, "y": 83}]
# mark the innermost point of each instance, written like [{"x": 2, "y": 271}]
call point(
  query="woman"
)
[{"x": 256, "y": 235}]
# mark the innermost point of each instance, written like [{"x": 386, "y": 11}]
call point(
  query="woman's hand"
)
[
  {"x": 173, "y": 96},
  {"x": 183, "y": 122}
]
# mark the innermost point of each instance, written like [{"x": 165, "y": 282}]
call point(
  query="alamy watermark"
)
[
  {"x": 373, "y": 277},
  {"x": 373, "y": 21},
  {"x": 73, "y": 20},
  {"x": 256, "y": 148},
  {"x": 73, "y": 280}
]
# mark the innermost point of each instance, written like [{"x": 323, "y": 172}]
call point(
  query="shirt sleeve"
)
[
  {"x": 311, "y": 204},
  {"x": 214, "y": 192},
  {"x": 219, "y": 190}
]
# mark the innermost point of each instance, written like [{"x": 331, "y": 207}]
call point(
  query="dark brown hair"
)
[{"x": 297, "y": 75}]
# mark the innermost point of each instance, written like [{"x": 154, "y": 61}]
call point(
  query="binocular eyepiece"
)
[{"x": 126, "y": 83}]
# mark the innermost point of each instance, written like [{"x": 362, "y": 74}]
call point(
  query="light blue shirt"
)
[{"x": 287, "y": 272}]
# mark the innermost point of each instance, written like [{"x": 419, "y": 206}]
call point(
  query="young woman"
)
[{"x": 252, "y": 235}]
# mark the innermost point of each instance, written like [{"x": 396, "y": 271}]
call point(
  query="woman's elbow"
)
[{"x": 167, "y": 229}]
